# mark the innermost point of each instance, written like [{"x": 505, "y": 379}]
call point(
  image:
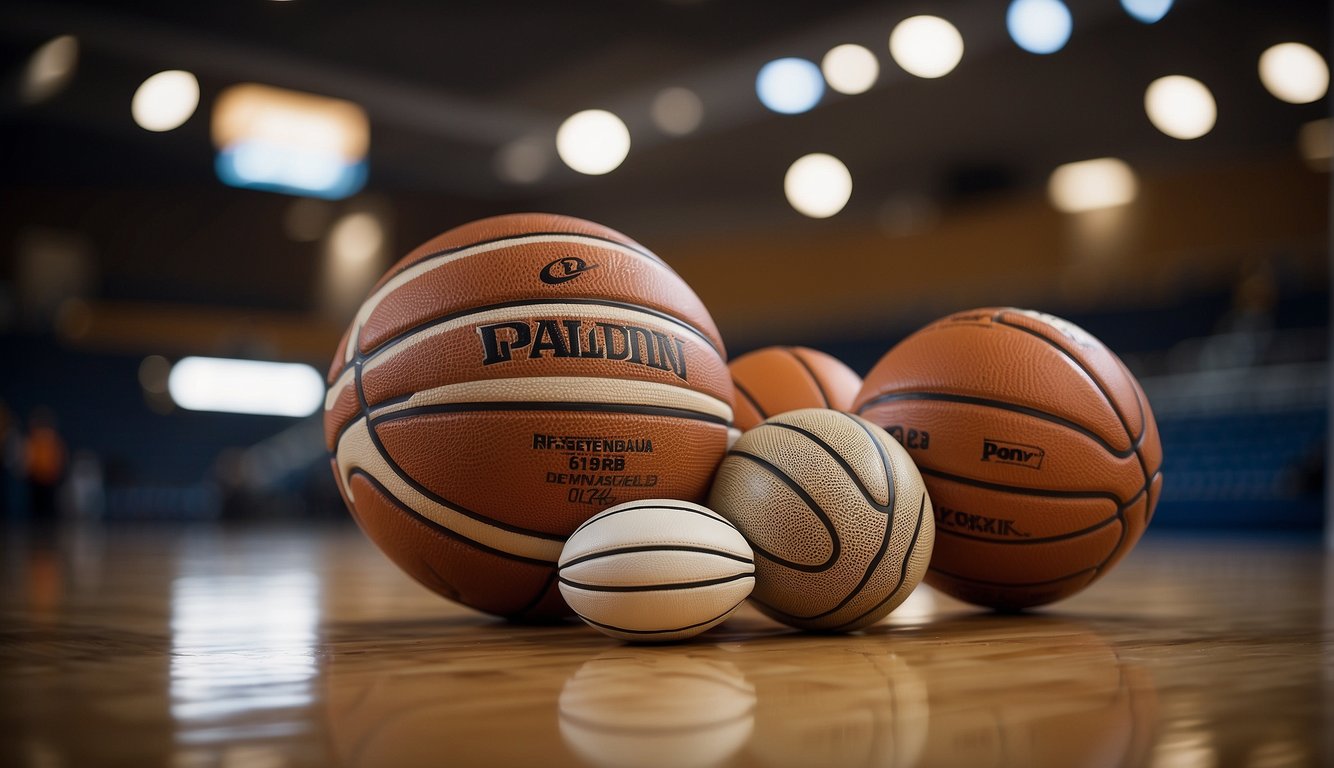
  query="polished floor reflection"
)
[{"x": 264, "y": 648}]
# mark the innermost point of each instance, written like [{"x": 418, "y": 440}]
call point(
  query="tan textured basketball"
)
[
  {"x": 1037, "y": 444},
  {"x": 776, "y": 380},
  {"x": 836, "y": 513},
  {"x": 656, "y": 570},
  {"x": 507, "y": 380}
]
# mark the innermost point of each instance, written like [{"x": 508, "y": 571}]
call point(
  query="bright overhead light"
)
[
  {"x": 1092, "y": 184},
  {"x": 789, "y": 86},
  {"x": 926, "y": 46},
  {"x": 1181, "y": 107},
  {"x": 593, "y": 142},
  {"x": 49, "y": 69},
  {"x": 165, "y": 100},
  {"x": 850, "y": 68},
  {"x": 1039, "y": 26},
  {"x": 287, "y": 141},
  {"x": 246, "y": 386},
  {"x": 1295, "y": 73},
  {"x": 676, "y": 111},
  {"x": 818, "y": 185},
  {"x": 1147, "y": 11}
]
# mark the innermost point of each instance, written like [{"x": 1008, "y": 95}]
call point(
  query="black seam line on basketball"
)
[
  {"x": 1023, "y": 491},
  {"x": 847, "y": 468},
  {"x": 1144, "y": 425},
  {"x": 1125, "y": 529},
  {"x": 986, "y": 402},
  {"x": 1136, "y": 442},
  {"x": 580, "y": 301},
  {"x": 870, "y": 569},
  {"x": 991, "y": 583},
  {"x": 888, "y": 465},
  {"x": 647, "y": 632},
  {"x": 602, "y": 516},
  {"x": 656, "y": 548},
  {"x": 423, "y": 490},
  {"x": 338, "y": 436},
  {"x": 690, "y": 729},
  {"x": 866, "y": 575},
  {"x": 836, "y": 546},
  {"x": 673, "y": 587},
  {"x": 557, "y": 406},
  {"x": 433, "y": 525},
  {"x": 749, "y": 398},
  {"x": 541, "y": 593},
  {"x": 441, "y": 500},
  {"x": 442, "y": 586},
  {"x": 1103, "y": 523},
  {"x": 903, "y": 568},
  {"x": 1001, "y": 320},
  {"x": 809, "y": 372},
  {"x": 492, "y": 241}
]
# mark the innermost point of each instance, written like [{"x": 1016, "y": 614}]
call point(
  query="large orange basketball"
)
[
  {"x": 1036, "y": 443},
  {"x": 505, "y": 381},
  {"x": 776, "y": 380}
]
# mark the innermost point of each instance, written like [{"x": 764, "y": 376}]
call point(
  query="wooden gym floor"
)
[{"x": 199, "y": 646}]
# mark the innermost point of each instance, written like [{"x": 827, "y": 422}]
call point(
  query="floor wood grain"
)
[{"x": 271, "y": 647}]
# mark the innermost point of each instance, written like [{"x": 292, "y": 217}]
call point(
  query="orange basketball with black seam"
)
[
  {"x": 1038, "y": 446},
  {"x": 507, "y": 380},
  {"x": 776, "y": 380}
]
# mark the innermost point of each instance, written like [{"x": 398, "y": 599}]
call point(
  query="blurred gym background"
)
[{"x": 224, "y": 180}]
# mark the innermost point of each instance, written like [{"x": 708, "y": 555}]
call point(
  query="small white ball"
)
[{"x": 656, "y": 570}]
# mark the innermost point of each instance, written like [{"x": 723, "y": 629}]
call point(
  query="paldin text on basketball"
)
[{"x": 528, "y": 339}]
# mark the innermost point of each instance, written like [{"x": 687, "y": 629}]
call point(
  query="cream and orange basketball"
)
[
  {"x": 507, "y": 380},
  {"x": 776, "y": 380},
  {"x": 1038, "y": 447}
]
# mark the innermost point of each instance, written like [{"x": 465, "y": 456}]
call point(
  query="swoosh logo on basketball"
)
[{"x": 565, "y": 269}]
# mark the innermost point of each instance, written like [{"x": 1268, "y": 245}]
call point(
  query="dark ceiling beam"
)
[{"x": 429, "y": 111}]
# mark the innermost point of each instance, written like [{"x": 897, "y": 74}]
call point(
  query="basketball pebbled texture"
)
[
  {"x": 776, "y": 380},
  {"x": 656, "y": 570},
  {"x": 505, "y": 381},
  {"x": 1038, "y": 446},
  {"x": 836, "y": 513}
]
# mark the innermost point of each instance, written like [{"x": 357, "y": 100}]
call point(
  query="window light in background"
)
[
  {"x": 1091, "y": 185},
  {"x": 1295, "y": 73},
  {"x": 1039, "y": 26},
  {"x": 165, "y": 100},
  {"x": 1181, "y": 107},
  {"x": 926, "y": 46},
  {"x": 49, "y": 69},
  {"x": 246, "y": 386},
  {"x": 789, "y": 86},
  {"x": 593, "y": 142},
  {"x": 818, "y": 185},
  {"x": 1147, "y": 11},
  {"x": 850, "y": 68},
  {"x": 286, "y": 141}
]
